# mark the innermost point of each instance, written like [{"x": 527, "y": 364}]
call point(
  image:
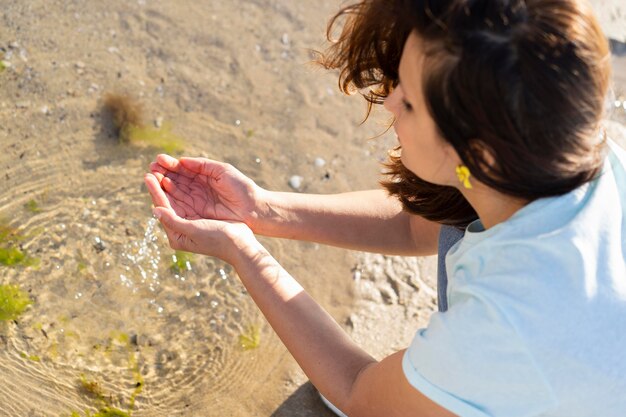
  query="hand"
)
[
  {"x": 192, "y": 233},
  {"x": 202, "y": 188}
]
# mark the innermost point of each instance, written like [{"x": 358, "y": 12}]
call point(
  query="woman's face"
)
[{"x": 424, "y": 151}]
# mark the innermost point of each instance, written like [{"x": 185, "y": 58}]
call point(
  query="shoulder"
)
[{"x": 470, "y": 358}]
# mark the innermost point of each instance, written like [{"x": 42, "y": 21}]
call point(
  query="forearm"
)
[
  {"x": 363, "y": 220},
  {"x": 322, "y": 349}
]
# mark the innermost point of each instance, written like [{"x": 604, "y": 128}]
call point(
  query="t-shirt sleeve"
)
[{"x": 471, "y": 361}]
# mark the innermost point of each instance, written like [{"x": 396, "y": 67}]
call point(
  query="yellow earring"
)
[{"x": 463, "y": 173}]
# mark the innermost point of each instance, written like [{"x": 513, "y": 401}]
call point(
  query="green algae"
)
[
  {"x": 181, "y": 262},
  {"x": 7, "y": 232},
  {"x": 34, "y": 358},
  {"x": 162, "y": 138},
  {"x": 91, "y": 387},
  {"x": 251, "y": 339},
  {"x": 10, "y": 252},
  {"x": 13, "y": 302},
  {"x": 128, "y": 120},
  {"x": 32, "y": 206},
  {"x": 103, "y": 412},
  {"x": 82, "y": 262},
  {"x": 111, "y": 412},
  {"x": 12, "y": 256}
]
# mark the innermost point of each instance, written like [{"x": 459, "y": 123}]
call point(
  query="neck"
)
[{"x": 492, "y": 206}]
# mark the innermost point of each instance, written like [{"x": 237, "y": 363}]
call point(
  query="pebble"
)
[
  {"x": 45, "y": 110},
  {"x": 319, "y": 162},
  {"x": 14, "y": 45},
  {"x": 22, "y": 104},
  {"x": 113, "y": 50},
  {"x": 158, "y": 122},
  {"x": 80, "y": 65},
  {"x": 99, "y": 245},
  {"x": 295, "y": 182},
  {"x": 285, "y": 39}
]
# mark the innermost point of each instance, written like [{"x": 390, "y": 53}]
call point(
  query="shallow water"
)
[
  {"x": 108, "y": 305},
  {"x": 108, "y": 311}
]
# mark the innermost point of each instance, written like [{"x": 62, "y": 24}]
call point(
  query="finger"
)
[
  {"x": 156, "y": 168},
  {"x": 159, "y": 199},
  {"x": 158, "y": 176},
  {"x": 173, "y": 165},
  {"x": 173, "y": 222},
  {"x": 203, "y": 166}
]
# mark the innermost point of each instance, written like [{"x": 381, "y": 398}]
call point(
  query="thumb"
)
[{"x": 172, "y": 221}]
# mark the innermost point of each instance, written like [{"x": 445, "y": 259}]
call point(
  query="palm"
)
[{"x": 205, "y": 189}]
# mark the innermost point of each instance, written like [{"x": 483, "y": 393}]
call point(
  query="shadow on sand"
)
[{"x": 303, "y": 402}]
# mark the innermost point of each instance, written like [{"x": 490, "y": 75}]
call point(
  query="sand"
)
[{"x": 235, "y": 82}]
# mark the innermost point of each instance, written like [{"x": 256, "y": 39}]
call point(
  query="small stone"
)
[
  {"x": 14, "y": 45},
  {"x": 22, "y": 104},
  {"x": 295, "y": 182},
  {"x": 319, "y": 162},
  {"x": 80, "y": 65},
  {"x": 158, "y": 122},
  {"x": 257, "y": 160},
  {"x": 99, "y": 245},
  {"x": 285, "y": 39},
  {"x": 113, "y": 50},
  {"x": 237, "y": 122},
  {"x": 45, "y": 110}
]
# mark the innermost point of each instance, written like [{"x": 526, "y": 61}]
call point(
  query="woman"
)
[{"x": 497, "y": 107}]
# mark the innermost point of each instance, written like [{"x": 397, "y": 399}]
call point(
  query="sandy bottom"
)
[{"x": 234, "y": 81}]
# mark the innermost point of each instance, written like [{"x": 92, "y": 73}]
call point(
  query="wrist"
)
[
  {"x": 248, "y": 252},
  {"x": 260, "y": 216}
]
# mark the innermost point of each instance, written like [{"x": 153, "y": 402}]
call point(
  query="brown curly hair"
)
[{"x": 523, "y": 82}]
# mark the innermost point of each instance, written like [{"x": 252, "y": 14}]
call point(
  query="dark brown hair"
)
[{"x": 521, "y": 83}]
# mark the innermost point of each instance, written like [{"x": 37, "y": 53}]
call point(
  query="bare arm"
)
[
  {"x": 363, "y": 220},
  {"x": 343, "y": 372}
]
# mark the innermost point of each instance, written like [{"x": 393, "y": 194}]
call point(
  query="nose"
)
[{"x": 392, "y": 102}]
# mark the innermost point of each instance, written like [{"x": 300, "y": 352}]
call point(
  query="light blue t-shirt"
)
[{"x": 536, "y": 323}]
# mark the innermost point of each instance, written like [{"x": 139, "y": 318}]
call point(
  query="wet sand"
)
[{"x": 234, "y": 80}]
